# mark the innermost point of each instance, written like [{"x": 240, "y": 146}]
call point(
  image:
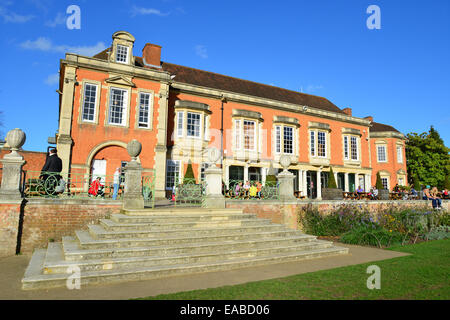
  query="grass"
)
[{"x": 423, "y": 275}]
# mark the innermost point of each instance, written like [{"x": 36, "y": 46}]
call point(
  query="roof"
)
[
  {"x": 379, "y": 127},
  {"x": 226, "y": 83}
]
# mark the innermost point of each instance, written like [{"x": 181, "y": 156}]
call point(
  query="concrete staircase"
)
[{"x": 148, "y": 244}]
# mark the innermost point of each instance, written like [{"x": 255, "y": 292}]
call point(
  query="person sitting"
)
[
  {"x": 359, "y": 192},
  {"x": 258, "y": 189},
  {"x": 413, "y": 193},
  {"x": 426, "y": 193},
  {"x": 252, "y": 191},
  {"x": 445, "y": 194},
  {"x": 96, "y": 188},
  {"x": 375, "y": 193},
  {"x": 436, "y": 201},
  {"x": 237, "y": 189},
  {"x": 246, "y": 188}
]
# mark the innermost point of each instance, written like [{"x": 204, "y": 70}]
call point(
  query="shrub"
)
[
  {"x": 379, "y": 184},
  {"x": 331, "y": 181},
  {"x": 438, "y": 233},
  {"x": 372, "y": 236},
  {"x": 189, "y": 176}
]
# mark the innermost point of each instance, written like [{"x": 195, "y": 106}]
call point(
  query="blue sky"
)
[{"x": 399, "y": 74}]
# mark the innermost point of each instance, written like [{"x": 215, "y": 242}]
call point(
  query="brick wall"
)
[
  {"x": 45, "y": 219},
  {"x": 34, "y": 160}
]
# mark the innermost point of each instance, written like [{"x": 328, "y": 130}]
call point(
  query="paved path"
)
[{"x": 13, "y": 268}]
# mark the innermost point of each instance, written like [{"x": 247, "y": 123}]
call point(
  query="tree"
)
[
  {"x": 379, "y": 184},
  {"x": 416, "y": 183},
  {"x": 331, "y": 180},
  {"x": 428, "y": 158},
  {"x": 189, "y": 176}
]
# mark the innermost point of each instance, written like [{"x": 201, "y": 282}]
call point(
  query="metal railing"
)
[
  {"x": 240, "y": 189},
  {"x": 73, "y": 185},
  {"x": 189, "y": 192},
  {"x": 148, "y": 188}
]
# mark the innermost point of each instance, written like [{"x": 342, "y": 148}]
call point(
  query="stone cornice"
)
[
  {"x": 267, "y": 103},
  {"x": 351, "y": 131},
  {"x": 108, "y": 67},
  {"x": 185, "y": 104},
  {"x": 286, "y": 120},
  {"x": 318, "y": 125},
  {"x": 387, "y": 134},
  {"x": 247, "y": 114}
]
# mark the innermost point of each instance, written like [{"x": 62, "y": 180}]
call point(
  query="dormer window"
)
[{"x": 122, "y": 54}]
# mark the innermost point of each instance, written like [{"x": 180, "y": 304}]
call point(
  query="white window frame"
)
[
  {"x": 387, "y": 182},
  {"x": 84, "y": 102},
  {"x": 127, "y": 54},
  {"x": 180, "y": 125},
  {"x": 149, "y": 109},
  {"x": 254, "y": 134},
  {"x": 199, "y": 125},
  {"x": 124, "y": 107},
  {"x": 399, "y": 154},
  {"x": 312, "y": 143},
  {"x": 292, "y": 139},
  {"x": 237, "y": 134},
  {"x": 378, "y": 153},
  {"x": 278, "y": 139},
  {"x": 346, "y": 144},
  {"x": 356, "y": 144}
]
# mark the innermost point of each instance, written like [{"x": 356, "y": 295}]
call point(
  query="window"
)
[
  {"x": 285, "y": 142},
  {"x": 277, "y": 139},
  {"x": 237, "y": 128},
  {"x": 202, "y": 171},
  {"x": 193, "y": 124},
  {"x": 288, "y": 140},
  {"x": 384, "y": 182},
  {"x": 180, "y": 124},
  {"x": 354, "y": 148},
  {"x": 381, "y": 151},
  {"x": 321, "y": 144},
  {"x": 121, "y": 54},
  {"x": 90, "y": 95},
  {"x": 346, "y": 147},
  {"x": 400, "y": 182},
  {"x": 144, "y": 110},
  {"x": 117, "y": 106},
  {"x": 173, "y": 173},
  {"x": 249, "y": 135},
  {"x": 313, "y": 143},
  {"x": 399, "y": 154}
]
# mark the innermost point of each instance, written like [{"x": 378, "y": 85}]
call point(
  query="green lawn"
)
[{"x": 423, "y": 275}]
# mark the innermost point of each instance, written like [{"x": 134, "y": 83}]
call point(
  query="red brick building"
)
[{"x": 176, "y": 112}]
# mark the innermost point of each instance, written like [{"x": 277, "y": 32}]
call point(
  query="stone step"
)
[
  {"x": 187, "y": 217},
  {"x": 179, "y": 211},
  {"x": 55, "y": 263},
  {"x": 73, "y": 252},
  {"x": 112, "y": 225},
  {"x": 34, "y": 279},
  {"x": 88, "y": 242},
  {"x": 99, "y": 232}
]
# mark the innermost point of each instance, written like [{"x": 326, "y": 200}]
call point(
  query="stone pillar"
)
[
  {"x": 64, "y": 140},
  {"x": 133, "y": 198},
  {"x": 305, "y": 184},
  {"x": 319, "y": 184},
  {"x": 346, "y": 186},
  {"x": 263, "y": 176},
  {"x": 161, "y": 142},
  {"x": 368, "y": 182},
  {"x": 213, "y": 177},
  {"x": 246, "y": 172},
  {"x": 285, "y": 180},
  {"x": 12, "y": 166}
]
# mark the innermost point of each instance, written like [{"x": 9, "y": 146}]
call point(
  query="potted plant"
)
[{"x": 332, "y": 192}]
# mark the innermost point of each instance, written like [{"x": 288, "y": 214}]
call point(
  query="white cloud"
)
[
  {"x": 147, "y": 11},
  {"x": 52, "y": 79},
  {"x": 200, "y": 50},
  {"x": 59, "y": 19},
  {"x": 12, "y": 17},
  {"x": 45, "y": 44}
]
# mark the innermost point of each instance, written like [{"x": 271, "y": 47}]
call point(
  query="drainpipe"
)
[{"x": 221, "y": 130}]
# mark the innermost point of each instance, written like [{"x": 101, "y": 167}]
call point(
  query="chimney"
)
[
  {"x": 151, "y": 55},
  {"x": 370, "y": 118},
  {"x": 347, "y": 111}
]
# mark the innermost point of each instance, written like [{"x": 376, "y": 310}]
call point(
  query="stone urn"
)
[
  {"x": 134, "y": 149},
  {"x": 15, "y": 139}
]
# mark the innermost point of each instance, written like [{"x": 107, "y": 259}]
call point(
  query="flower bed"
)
[{"x": 382, "y": 229}]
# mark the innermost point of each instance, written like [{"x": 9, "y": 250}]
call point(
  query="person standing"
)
[
  {"x": 51, "y": 168},
  {"x": 116, "y": 183}
]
